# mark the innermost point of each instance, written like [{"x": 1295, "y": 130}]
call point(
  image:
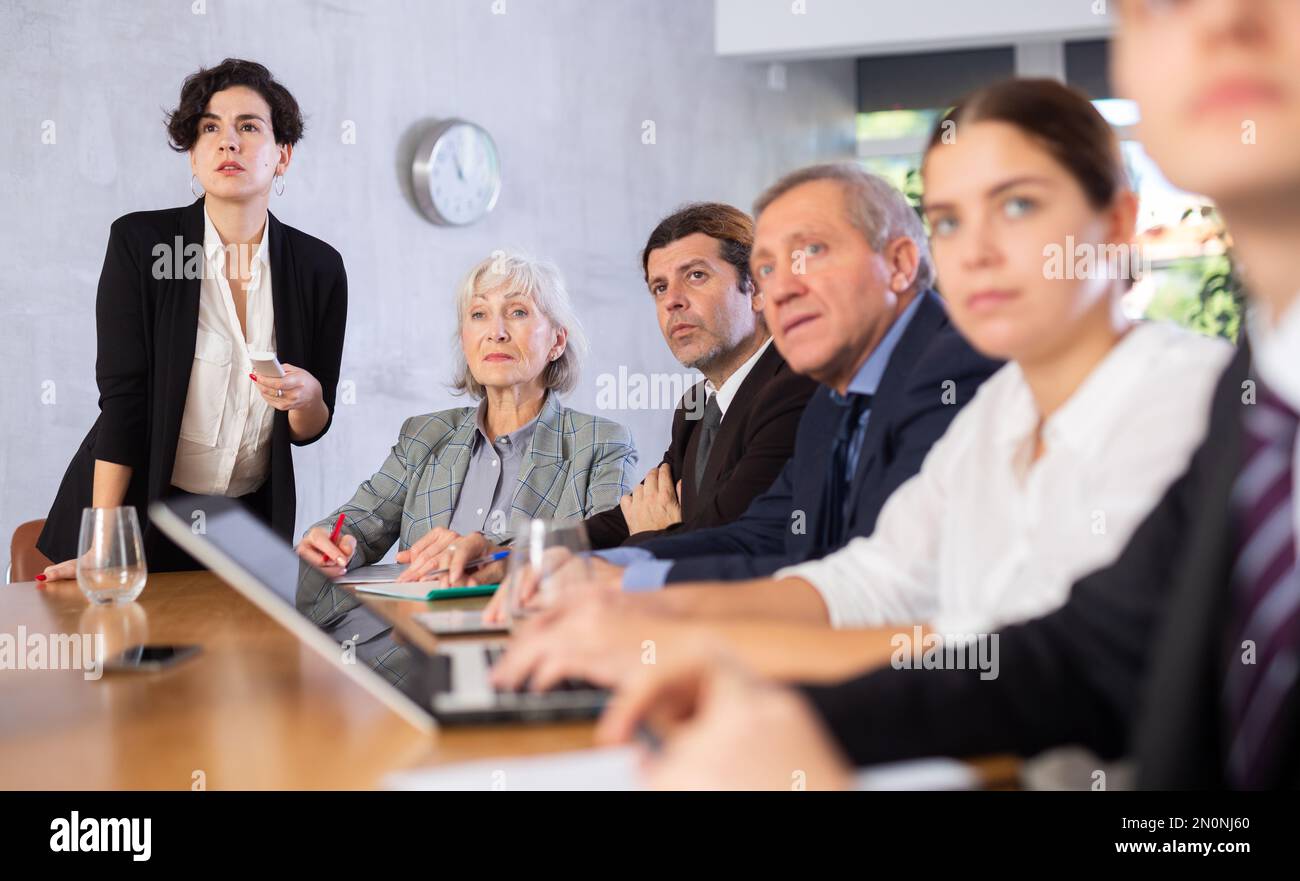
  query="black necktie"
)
[
  {"x": 838, "y": 480},
  {"x": 708, "y": 431}
]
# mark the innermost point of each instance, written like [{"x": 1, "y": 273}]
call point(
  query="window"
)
[{"x": 1190, "y": 278}]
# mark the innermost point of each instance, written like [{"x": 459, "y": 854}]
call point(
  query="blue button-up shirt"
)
[{"x": 867, "y": 380}]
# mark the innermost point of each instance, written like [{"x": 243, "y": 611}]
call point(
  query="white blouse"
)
[
  {"x": 983, "y": 536},
  {"x": 224, "y": 446}
]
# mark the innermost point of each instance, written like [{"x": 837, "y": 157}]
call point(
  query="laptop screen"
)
[{"x": 223, "y": 526}]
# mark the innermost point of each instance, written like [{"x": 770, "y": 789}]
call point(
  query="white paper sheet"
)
[
  {"x": 614, "y": 769},
  {"x": 408, "y": 590},
  {"x": 379, "y": 573},
  {"x": 597, "y": 770}
]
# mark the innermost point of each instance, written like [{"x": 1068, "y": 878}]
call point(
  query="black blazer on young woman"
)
[{"x": 146, "y": 316}]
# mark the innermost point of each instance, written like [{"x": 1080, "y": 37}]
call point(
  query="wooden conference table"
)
[{"x": 255, "y": 710}]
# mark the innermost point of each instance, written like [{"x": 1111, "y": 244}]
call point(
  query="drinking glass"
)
[
  {"x": 110, "y": 555},
  {"x": 547, "y": 556}
]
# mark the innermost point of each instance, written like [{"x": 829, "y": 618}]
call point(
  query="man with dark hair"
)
[
  {"x": 884, "y": 351},
  {"x": 733, "y": 432}
]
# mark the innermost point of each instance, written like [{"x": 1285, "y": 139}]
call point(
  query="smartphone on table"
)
[{"x": 149, "y": 658}]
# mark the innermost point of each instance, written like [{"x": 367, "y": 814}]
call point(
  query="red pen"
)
[{"x": 334, "y": 536}]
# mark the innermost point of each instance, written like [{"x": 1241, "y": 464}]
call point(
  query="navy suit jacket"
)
[{"x": 932, "y": 373}]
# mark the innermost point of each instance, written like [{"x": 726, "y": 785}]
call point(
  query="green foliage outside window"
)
[{"x": 1202, "y": 293}]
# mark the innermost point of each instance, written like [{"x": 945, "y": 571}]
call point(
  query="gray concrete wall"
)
[{"x": 563, "y": 85}]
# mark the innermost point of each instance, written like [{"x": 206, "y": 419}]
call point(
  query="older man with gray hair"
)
[{"x": 843, "y": 266}]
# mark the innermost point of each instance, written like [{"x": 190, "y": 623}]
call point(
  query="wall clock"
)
[{"x": 456, "y": 173}]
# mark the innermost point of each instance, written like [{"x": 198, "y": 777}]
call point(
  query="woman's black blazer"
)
[{"x": 146, "y": 316}]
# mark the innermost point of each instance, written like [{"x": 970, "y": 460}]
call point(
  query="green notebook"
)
[{"x": 418, "y": 591}]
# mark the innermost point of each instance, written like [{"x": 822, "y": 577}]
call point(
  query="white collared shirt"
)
[
  {"x": 1275, "y": 350},
  {"x": 224, "y": 446},
  {"x": 726, "y": 393},
  {"x": 983, "y": 536}
]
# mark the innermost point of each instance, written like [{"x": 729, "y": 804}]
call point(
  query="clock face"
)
[{"x": 457, "y": 173}]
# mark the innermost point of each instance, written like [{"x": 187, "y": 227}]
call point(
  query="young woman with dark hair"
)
[{"x": 188, "y": 298}]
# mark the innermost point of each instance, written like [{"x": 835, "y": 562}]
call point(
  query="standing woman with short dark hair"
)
[{"x": 188, "y": 297}]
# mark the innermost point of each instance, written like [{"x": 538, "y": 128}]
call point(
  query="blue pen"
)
[{"x": 648, "y": 737}]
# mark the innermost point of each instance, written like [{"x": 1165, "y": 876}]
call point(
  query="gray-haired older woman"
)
[{"x": 460, "y": 476}]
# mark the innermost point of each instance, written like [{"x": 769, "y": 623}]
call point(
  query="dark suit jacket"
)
[
  {"x": 1133, "y": 663},
  {"x": 146, "y": 328},
  {"x": 909, "y": 412},
  {"x": 753, "y": 442}
]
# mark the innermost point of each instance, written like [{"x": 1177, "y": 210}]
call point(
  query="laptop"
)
[{"x": 448, "y": 683}]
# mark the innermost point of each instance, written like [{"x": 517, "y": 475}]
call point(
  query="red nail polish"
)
[
  {"x": 253, "y": 377},
  {"x": 40, "y": 577}
]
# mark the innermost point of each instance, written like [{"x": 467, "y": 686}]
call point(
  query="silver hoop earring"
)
[
  {"x": 279, "y": 185},
  {"x": 193, "y": 180}
]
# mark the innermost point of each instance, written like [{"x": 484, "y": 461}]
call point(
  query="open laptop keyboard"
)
[
  {"x": 472, "y": 698},
  {"x": 493, "y": 653}
]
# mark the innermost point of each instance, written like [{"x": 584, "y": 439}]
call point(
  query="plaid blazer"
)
[{"x": 576, "y": 465}]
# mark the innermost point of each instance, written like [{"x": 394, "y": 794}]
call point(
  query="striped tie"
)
[{"x": 1265, "y": 595}]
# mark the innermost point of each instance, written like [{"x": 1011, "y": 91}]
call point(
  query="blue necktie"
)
[{"x": 839, "y": 476}]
